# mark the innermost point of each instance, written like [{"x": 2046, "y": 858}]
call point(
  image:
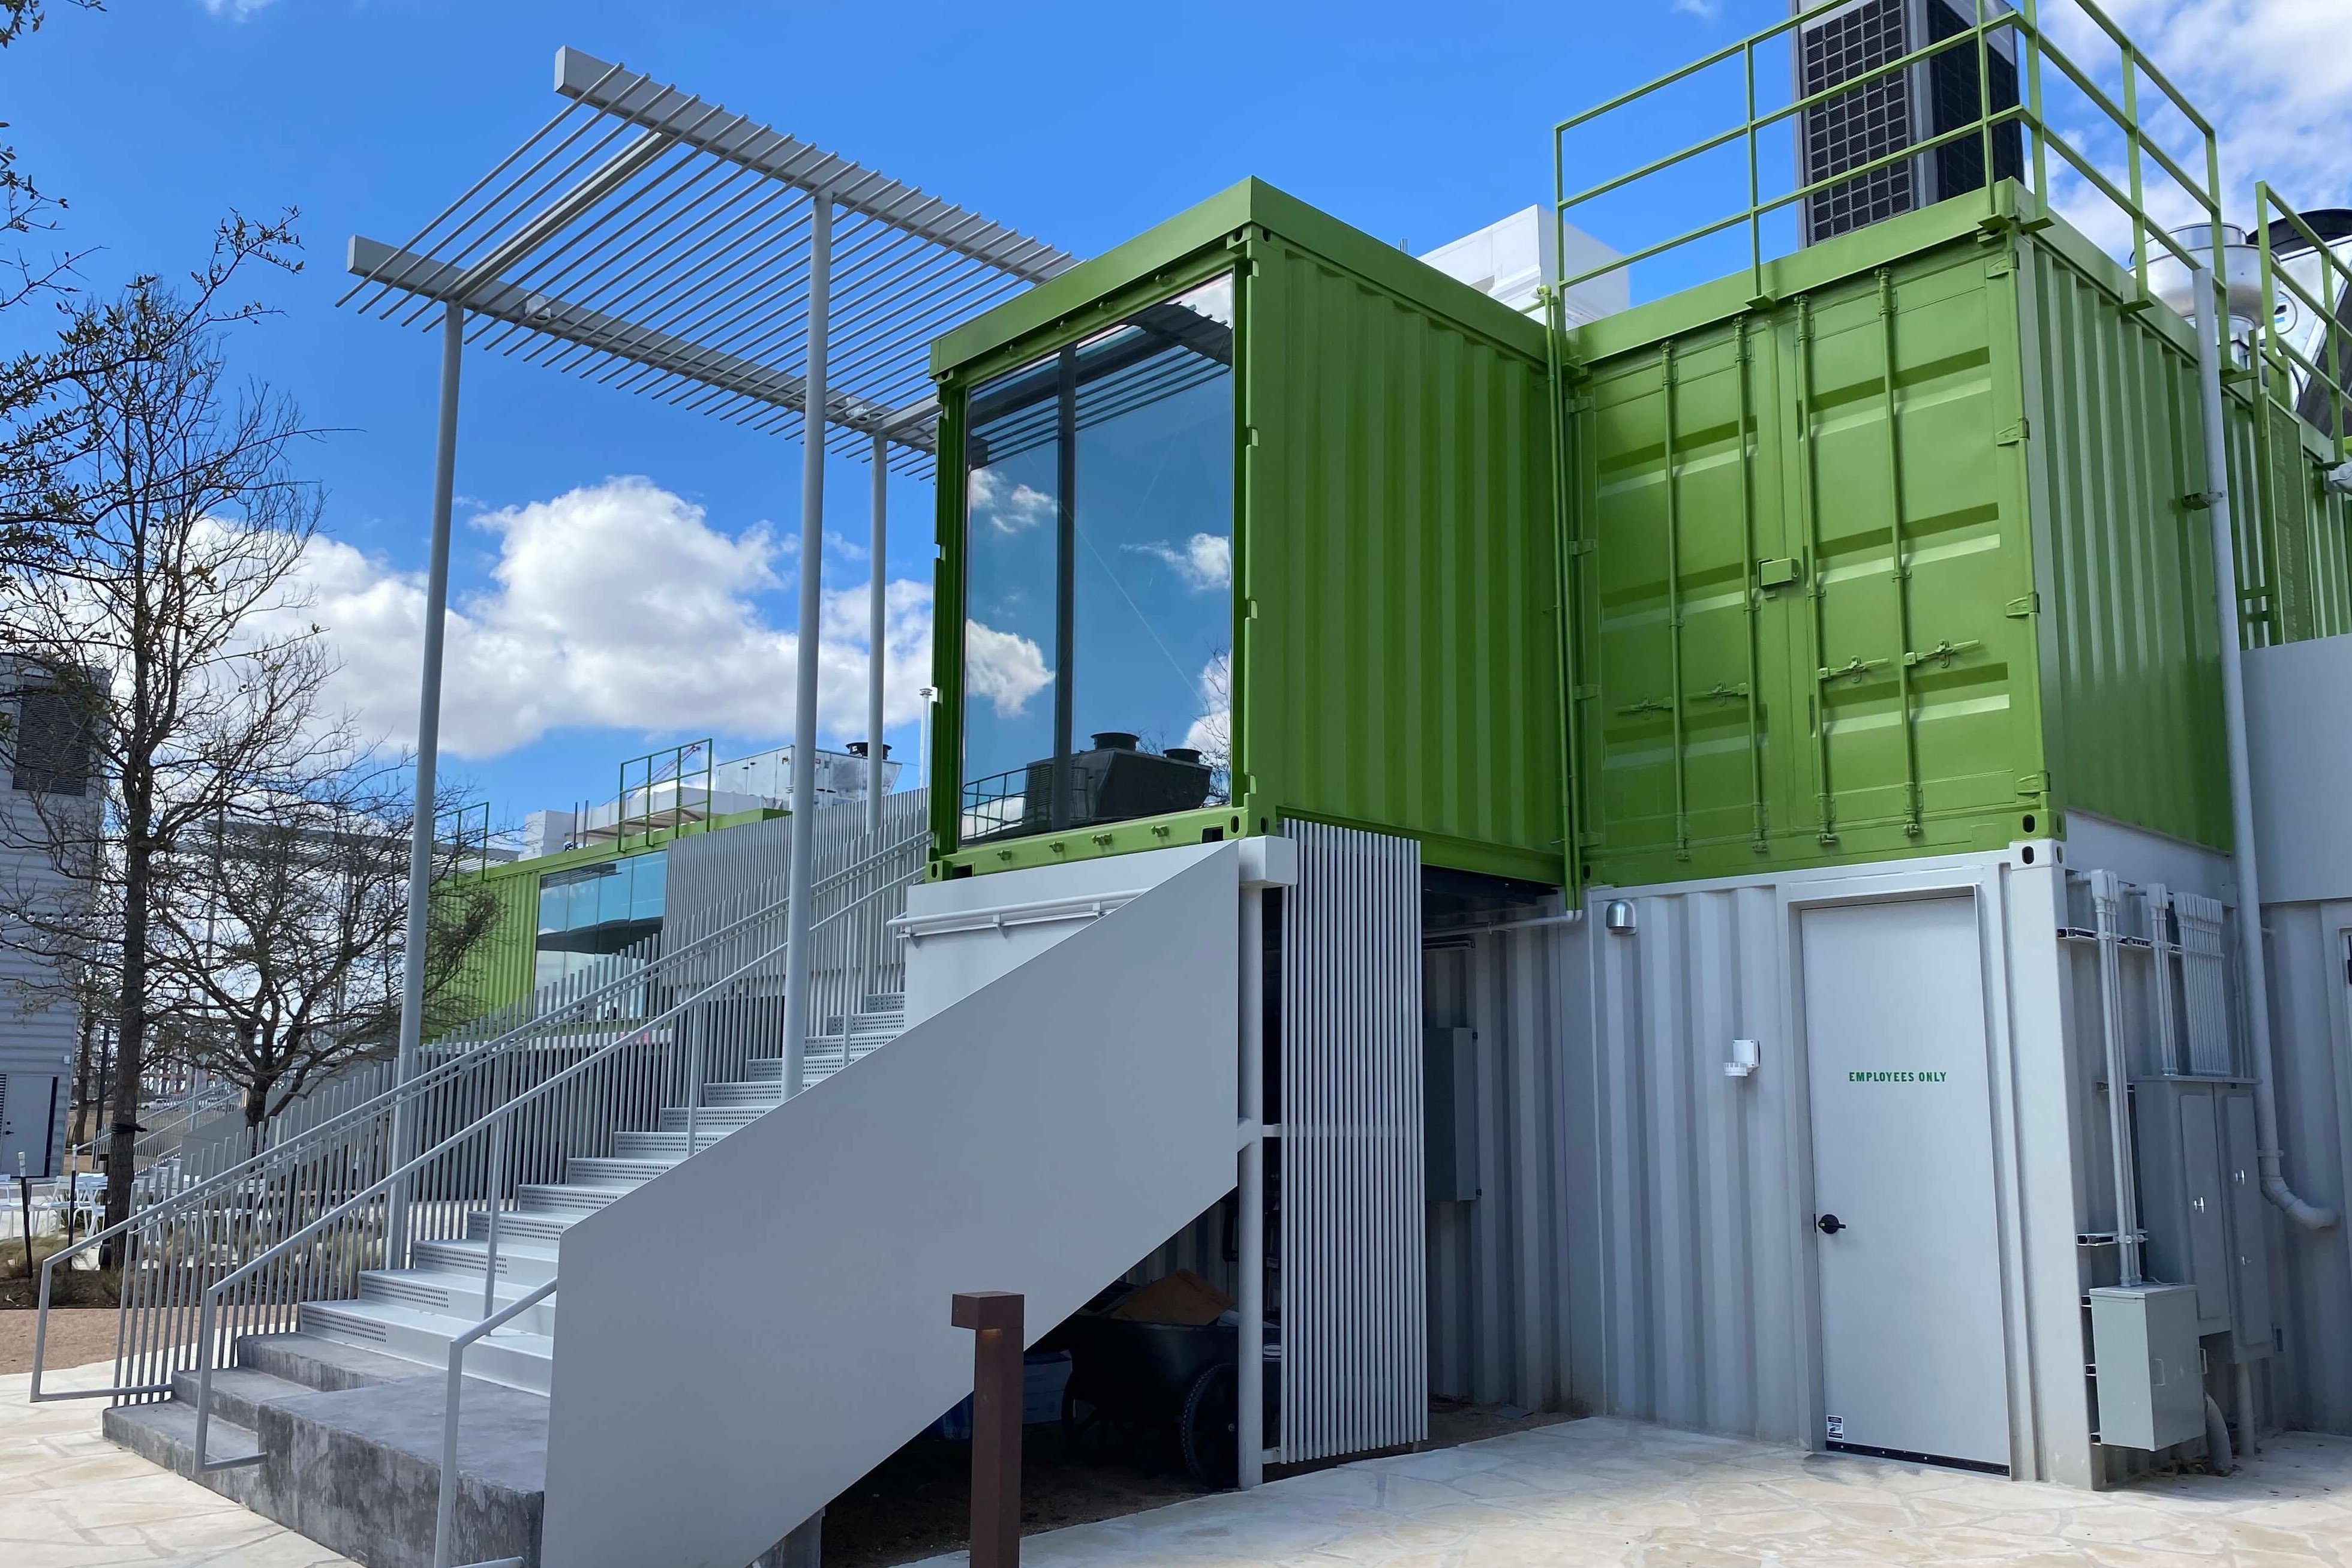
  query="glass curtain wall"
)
[
  {"x": 1098, "y": 611},
  {"x": 592, "y": 911}
]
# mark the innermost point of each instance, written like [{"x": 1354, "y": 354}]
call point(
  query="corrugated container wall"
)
[
  {"x": 502, "y": 966},
  {"x": 1499, "y": 1287},
  {"x": 1397, "y": 647},
  {"x": 2310, "y": 950},
  {"x": 1696, "y": 1302},
  {"x": 1401, "y": 669},
  {"x": 1910, "y": 561}
]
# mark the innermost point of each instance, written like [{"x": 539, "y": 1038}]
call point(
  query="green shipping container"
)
[
  {"x": 1909, "y": 558},
  {"x": 1249, "y": 519}
]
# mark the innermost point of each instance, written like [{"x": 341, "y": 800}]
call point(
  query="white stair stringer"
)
[{"x": 748, "y": 1332}]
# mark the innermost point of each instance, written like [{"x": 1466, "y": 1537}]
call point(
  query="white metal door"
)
[{"x": 1913, "y": 1351}]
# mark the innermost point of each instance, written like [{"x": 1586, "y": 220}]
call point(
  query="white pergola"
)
[{"x": 658, "y": 244}]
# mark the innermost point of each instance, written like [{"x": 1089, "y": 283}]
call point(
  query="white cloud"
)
[
  {"x": 613, "y": 606},
  {"x": 1205, "y": 561},
  {"x": 1015, "y": 511},
  {"x": 1705, "y": 10},
  {"x": 2274, "y": 76},
  {"x": 237, "y": 10},
  {"x": 1005, "y": 667}
]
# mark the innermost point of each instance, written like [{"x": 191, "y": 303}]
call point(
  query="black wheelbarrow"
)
[{"x": 1131, "y": 1379}]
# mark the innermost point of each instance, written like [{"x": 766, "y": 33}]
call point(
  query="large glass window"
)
[
  {"x": 1099, "y": 608},
  {"x": 592, "y": 911}
]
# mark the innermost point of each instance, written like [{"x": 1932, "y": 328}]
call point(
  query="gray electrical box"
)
[
  {"x": 1450, "y": 1104},
  {"x": 2201, "y": 1205},
  {"x": 2151, "y": 1375}
]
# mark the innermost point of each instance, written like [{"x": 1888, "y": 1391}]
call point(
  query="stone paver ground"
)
[
  {"x": 1590, "y": 1494},
  {"x": 1594, "y": 1494},
  {"x": 69, "y": 1499}
]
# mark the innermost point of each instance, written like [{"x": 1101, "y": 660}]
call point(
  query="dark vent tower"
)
[{"x": 1903, "y": 108}]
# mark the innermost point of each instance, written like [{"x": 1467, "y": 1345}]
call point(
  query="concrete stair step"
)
[
  {"x": 572, "y": 1197},
  {"x": 238, "y": 1394},
  {"x": 356, "y": 1466},
  {"x": 515, "y": 1359},
  {"x": 165, "y": 1434},
  {"x": 454, "y": 1295},
  {"x": 523, "y": 1262},
  {"x": 325, "y": 1365}
]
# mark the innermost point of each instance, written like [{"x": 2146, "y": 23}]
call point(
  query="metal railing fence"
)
[
  {"x": 2033, "y": 42},
  {"x": 467, "y": 1179},
  {"x": 2285, "y": 369},
  {"x": 713, "y": 985}
]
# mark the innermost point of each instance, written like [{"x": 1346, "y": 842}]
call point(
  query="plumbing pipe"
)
[{"x": 2252, "y": 961}]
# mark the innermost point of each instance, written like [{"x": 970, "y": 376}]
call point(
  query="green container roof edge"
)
[{"x": 1210, "y": 223}]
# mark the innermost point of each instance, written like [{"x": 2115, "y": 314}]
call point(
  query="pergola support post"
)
[
  {"x": 428, "y": 756},
  {"x": 807, "y": 644}
]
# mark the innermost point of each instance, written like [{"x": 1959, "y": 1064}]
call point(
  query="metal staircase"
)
[{"x": 415, "y": 1312}]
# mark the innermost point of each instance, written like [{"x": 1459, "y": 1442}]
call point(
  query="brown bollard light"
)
[{"x": 994, "y": 1318}]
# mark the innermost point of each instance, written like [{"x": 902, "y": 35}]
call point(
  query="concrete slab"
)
[
  {"x": 69, "y": 1499},
  {"x": 1599, "y": 1493}
]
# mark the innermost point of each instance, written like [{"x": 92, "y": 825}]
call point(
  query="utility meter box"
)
[{"x": 2151, "y": 1374}]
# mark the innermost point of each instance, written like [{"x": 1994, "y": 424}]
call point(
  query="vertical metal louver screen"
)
[
  {"x": 2205, "y": 983},
  {"x": 1854, "y": 128},
  {"x": 1355, "y": 1340}
]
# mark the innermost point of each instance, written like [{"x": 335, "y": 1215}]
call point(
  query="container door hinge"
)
[
  {"x": 1586, "y": 693},
  {"x": 1587, "y": 841},
  {"x": 2001, "y": 266},
  {"x": 2033, "y": 784},
  {"x": 1776, "y": 571},
  {"x": 2201, "y": 500},
  {"x": 1582, "y": 546},
  {"x": 2024, "y": 606},
  {"x": 2013, "y": 435}
]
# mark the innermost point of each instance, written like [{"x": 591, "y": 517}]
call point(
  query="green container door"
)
[{"x": 1804, "y": 553}]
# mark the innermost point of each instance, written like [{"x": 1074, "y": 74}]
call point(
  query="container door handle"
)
[{"x": 1829, "y": 1224}]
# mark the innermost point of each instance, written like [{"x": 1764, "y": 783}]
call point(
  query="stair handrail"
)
[
  {"x": 311, "y": 1140},
  {"x": 495, "y": 1117},
  {"x": 305, "y": 1142},
  {"x": 444, "y": 1513}
]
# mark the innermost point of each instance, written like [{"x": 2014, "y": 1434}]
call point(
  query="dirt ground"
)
[
  {"x": 918, "y": 1502},
  {"x": 77, "y": 1336}
]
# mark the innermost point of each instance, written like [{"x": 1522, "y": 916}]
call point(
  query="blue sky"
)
[{"x": 592, "y": 601}]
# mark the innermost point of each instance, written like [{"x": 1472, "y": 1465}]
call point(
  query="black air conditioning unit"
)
[{"x": 1902, "y": 109}]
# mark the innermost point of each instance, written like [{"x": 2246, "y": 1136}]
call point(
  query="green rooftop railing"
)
[
  {"x": 2281, "y": 359},
  {"x": 2035, "y": 49}
]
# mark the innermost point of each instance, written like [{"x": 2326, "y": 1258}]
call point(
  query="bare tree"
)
[
  {"x": 161, "y": 621},
  {"x": 277, "y": 938},
  {"x": 24, "y": 209}
]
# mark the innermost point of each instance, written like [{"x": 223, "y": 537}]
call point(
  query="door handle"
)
[{"x": 1829, "y": 1224}]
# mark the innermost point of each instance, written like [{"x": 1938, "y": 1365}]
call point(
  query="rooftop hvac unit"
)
[{"x": 1902, "y": 109}]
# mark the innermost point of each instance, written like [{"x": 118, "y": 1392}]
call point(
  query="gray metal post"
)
[
  {"x": 797, "y": 955},
  {"x": 428, "y": 753},
  {"x": 1249, "y": 1390},
  {"x": 2212, "y": 324},
  {"x": 876, "y": 615}
]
